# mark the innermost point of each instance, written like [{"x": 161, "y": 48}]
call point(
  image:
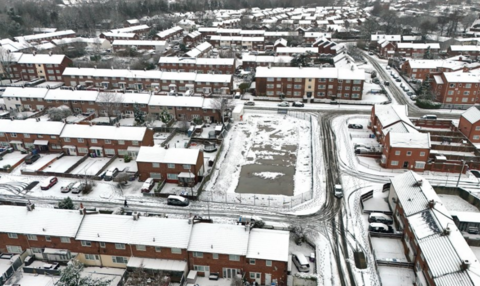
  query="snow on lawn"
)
[
  {"x": 120, "y": 164},
  {"x": 12, "y": 158},
  {"x": 476, "y": 251},
  {"x": 260, "y": 153},
  {"x": 91, "y": 166},
  {"x": 388, "y": 248},
  {"x": 61, "y": 165},
  {"x": 41, "y": 162},
  {"x": 396, "y": 276},
  {"x": 456, "y": 203}
]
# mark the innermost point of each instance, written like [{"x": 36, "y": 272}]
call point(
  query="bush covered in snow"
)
[{"x": 59, "y": 113}]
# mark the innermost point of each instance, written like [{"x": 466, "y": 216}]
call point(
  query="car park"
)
[
  {"x": 177, "y": 201},
  {"x": 380, "y": 217},
  {"x": 67, "y": 188},
  {"x": 48, "y": 183},
  {"x": 301, "y": 262},
  {"x": 284, "y": 104},
  {"x": 147, "y": 185},
  {"x": 338, "y": 191},
  {"x": 30, "y": 159},
  {"x": 110, "y": 174},
  {"x": 355, "y": 126},
  {"x": 249, "y": 103},
  {"x": 380, "y": 227},
  {"x": 298, "y": 104}
]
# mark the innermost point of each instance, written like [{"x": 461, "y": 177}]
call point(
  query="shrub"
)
[
  {"x": 127, "y": 158},
  {"x": 427, "y": 104}
]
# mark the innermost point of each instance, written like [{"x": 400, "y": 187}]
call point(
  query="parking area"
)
[
  {"x": 304, "y": 249},
  {"x": 388, "y": 249},
  {"x": 121, "y": 165},
  {"x": 41, "y": 162},
  {"x": 91, "y": 166},
  {"x": 63, "y": 164},
  {"x": 12, "y": 158}
]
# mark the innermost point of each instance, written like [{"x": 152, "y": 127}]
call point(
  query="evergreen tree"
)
[
  {"x": 425, "y": 92},
  {"x": 138, "y": 114},
  {"x": 70, "y": 276},
  {"x": 66, "y": 204},
  {"x": 427, "y": 55}
]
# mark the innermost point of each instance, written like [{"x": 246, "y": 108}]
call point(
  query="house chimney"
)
[
  {"x": 431, "y": 204},
  {"x": 136, "y": 216},
  {"x": 30, "y": 206},
  {"x": 465, "y": 265},
  {"x": 447, "y": 231}
]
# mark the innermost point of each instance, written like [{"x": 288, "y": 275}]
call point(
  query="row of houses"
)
[
  {"x": 136, "y": 241},
  {"x": 198, "y": 65}
]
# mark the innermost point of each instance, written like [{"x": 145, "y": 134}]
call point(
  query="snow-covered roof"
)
[
  {"x": 138, "y": 43},
  {"x": 119, "y": 35},
  {"x": 106, "y": 228},
  {"x": 103, "y": 132},
  {"x": 433, "y": 64},
  {"x": 260, "y": 244},
  {"x": 67, "y": 94},
  {"x": 40, "y": 221},
  {"x": 218, "y": 78},
  {"x": 41, "y": 59},
  {"x": 465, "y": 48},
  {"x": 170, "y": 31},
  {"x": 31, "y": 126},
  {"x": 47, "y": 35},
  {"x": 28, "y": 92},
  {"x": 389, "y": 114},
  {"x": 412, "y": 140},
  {"x": 131, "y": 29},
  {"x": 168, "y": 265},
  {"x": 392, "y": 38},
  {"x": 176, "y": 101},
  {"x": 198, "y": 61},
  {"x": 125, "y": 73},
  {"x": 460, "y": 76},
  {"x": 127, "y": 98},
  {"x": 171, "y": 155},
  {"x": 296, "y": 50},
  {"x": 472, "y": 114},
  {"x": 295, "y": 72},
  {"x": 399, "y": 127},
  {"x": 219, "y": 238}
]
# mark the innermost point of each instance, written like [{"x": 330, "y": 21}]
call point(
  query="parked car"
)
[
  {"x": 338, "y": 191},
  {"x": 110, "y": 174},
  {"x": 301, "y": 262},
  {"x": 67, "y": 188},
  {"x": 48, "y": 183},
  {"x": 380, "y": 227},
  {"x": 380, "y": 217},
  {"x": 30, "y": 159},
  {"x": 386, "y": 83},
  {"x": 429, "y": 117},
  {"x": 29, "y": 259},
  {"x": 409, "y": 93},
  {"x": 177, "y": 201},
  {"x": 249, "y": 103},
  {"x": 147, "y": 185},
  {"x": 388, "y": 67},
  {"x": 370, "y": 53},
  {"x": 475, "y": 173},
  {"x": 358, "y": 145},
  {"x": 398, "y": 80},
  {"x": 78, "y": 187},
  {"x": 237, "y": 95},
  {"x": 284, "y": 104},
  {"x": 362, "y": 150},
  {"x": 355, "y": 126},
  {"x": 298, "y": 104},
  {"x": 333, "y": 102}
]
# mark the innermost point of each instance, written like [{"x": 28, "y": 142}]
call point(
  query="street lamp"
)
[{"x": 460, "y": 175}]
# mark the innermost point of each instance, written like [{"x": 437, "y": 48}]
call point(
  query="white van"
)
[
  {"x": 300, "y": 262},
  {"x": 78, "y": 187},
  {"x": 429, "y": 117},
  {"x": 380, "y": 217}
]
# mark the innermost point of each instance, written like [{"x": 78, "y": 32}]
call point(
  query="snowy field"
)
[
  {"x": 457, "y": 204},
  {"x": 63, "y": 164},
  {"x": 267, "y": 153},
  {"x": 91, "y": 166}
]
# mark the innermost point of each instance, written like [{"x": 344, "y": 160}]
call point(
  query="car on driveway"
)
[
  {"x": 147, "y": 185},
  {"x": 298, "y": 104},
  {"x": 362, "y": 150},
  {"x": 249, "y": 103},
  {"x": 110, "y": 174},
  {"x": 284, "y": 104},
  {"x": 48, "y": 183},
  {"x": 355, "y": 126},
  {"x": 398, "y": 80},
  {"x": 67, "y": 188},
  {"x": 380, "y": 227}
]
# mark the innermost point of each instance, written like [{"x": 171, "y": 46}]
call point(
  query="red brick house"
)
[
  {"x": 171, "y": 164},
  {"x": 406, "y": 150},
  {"x": 469, "y": 124},
  {"x": 169, "y": 34},
  {"x": 47, "y": 36},
  {"x": 421, "y": 69},
  {"x": 466, "y": 50},
  {"x": 33, "y": 66},
  {"x": 456, "y": 88}
]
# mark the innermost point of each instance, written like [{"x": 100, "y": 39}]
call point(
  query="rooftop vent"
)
[
  {"x": 418, "y": 183},
  {"x": 465, "y": 265},
  {"x": 30, "y": 206},
  {"x": 431, "y": 204}
]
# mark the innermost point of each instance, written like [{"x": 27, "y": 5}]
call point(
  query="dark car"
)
[
  {"x": 249, "y": 103},
  {"x": 386, "y": 83},
  {"x": 398, "y": 80},
  {"x": 475, "y": 173},
  {"x": 29, "y": 259},
  {"x": 333, "y": 102},
  {"x": 355, "y": 126},
  {"x": 298, "y": 104},
  {"x": 30, "y": 159}
]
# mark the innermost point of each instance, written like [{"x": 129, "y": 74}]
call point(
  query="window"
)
[
  {"x": 91, "y": 257},
  {"x": 14, "y": 249},
  {"x": 468, "y": 85},
  {"x": 26, "y": 135},
  {"x": 254, "y": 275},
  {"x": 108, "y": 141},
  {"x": 103, "y": 245},
  {"x": 201, "y": 268},
  {"x": 187, "y": 167},
  {"x": 141, "y": 247},
  {"x": 156, "y": 176},
  {"x": 251, "y": 261},
  {"x": 31, "y": 237},
  {"x": 171, "y": 166},
  {"x": 422, "y": 154},
  {"x": 86, "y": 243},
  {"x": 172, "y": 176},
  {"x": 419, "y": 165},
  {"x": 94, "y": 140},
  {"x": 176, "y": 251},
  {"x": 466, "y": 93},
  {"x": 394, "y": 163},
  {"x": 476, "y": 137},
  {"x": 121, "y": 142},
  {"x": 12, "y": 235},
  {"x": 198, "y": 254},
  {"x": 119, "y": 246},
  {"x": 268, "y": 263},
  {"x": 66, "y": 139},
  {"x": 409, "y": 153},
  {"x": 270, "y": 79},
  {"x": 135, "y": 143},
  {"x": 215, "y": 255},
  {"x": 48, "y": 238},
  {"x": 397, "y": 153},
  {"x": 234, "y": 257},
  {"x": 119, "y": 259},
  {"x": 80, "y": 140},
  {"x": 36, "y": 250},
  {"x": 477, "y": 128},
  {"x": 158, "y": 249},
  {"x": 155, "y": 165},
  {"x": 65, "y": 239},
  {"x": 110, "y": 151},
  {"x": 13, "y": 134}
]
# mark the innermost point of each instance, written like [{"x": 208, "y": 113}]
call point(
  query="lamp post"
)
[{"x": 460, "y": 175}]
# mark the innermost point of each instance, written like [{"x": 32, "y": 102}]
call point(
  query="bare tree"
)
[
  {"x": 467, "y": 21},
  {"x": 222, "y": 105},
  {"x": 59, "y": 113},
  {"x": 111, "y": 103},
  {"x": 141, "y": 277},
  {"x": 6, "y": 61}
]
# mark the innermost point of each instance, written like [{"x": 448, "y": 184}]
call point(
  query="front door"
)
[
  {"x": 229, "y": 272},
  {"x": 257, "y": 276},
  {"x": 268, "y": 279},
  {"x": 405, "y": 165}
]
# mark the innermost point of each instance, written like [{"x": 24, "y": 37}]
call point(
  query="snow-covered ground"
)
[
  {"x": 63, "y": 164},
  {"x": 91, "y": 166},
  {"x": 37, "y": 165},
  {"x": 12, "y": 158},
  {"x": 396, "y": 276},
  {"x": 456, "y": 203},
  {"x": 120, "y": 164},
  {"x": 388, "y": 248}
]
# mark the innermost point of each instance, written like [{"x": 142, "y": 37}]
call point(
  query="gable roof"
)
[
  {"x": 156, "y": 154},
  {"x": 219, "y": 238},
  {"x": 472, "y": 114},
  {"x": 268, "y": 244}
]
